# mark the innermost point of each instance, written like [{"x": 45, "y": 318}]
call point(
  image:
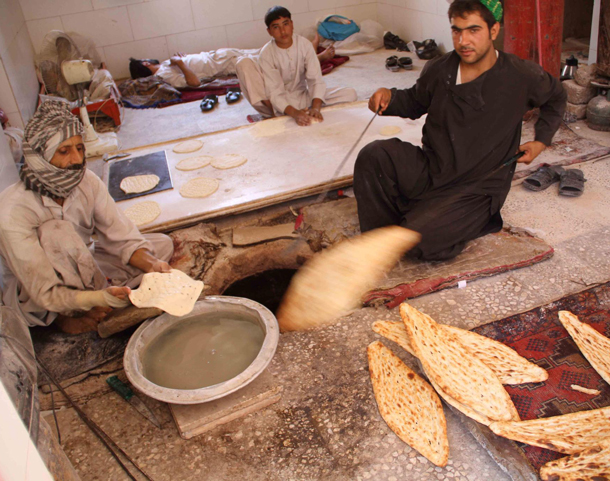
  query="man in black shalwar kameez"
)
[{"x": 475, "y": 98}]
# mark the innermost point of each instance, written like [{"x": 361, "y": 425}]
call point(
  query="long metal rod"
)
[{"x": 338, "y": 169}]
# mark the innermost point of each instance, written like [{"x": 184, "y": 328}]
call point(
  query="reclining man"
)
[
  {"x": 182, "y": 70},
  {"x": 287, "y": 80},
  {"x": 475, "y": 98},
  {"x": 53, "y": 270}
]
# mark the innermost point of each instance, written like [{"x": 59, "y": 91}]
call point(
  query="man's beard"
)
[{"x": 77, "y": 166}]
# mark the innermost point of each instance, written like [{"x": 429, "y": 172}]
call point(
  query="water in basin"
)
[{"x": 202, "y": 351}]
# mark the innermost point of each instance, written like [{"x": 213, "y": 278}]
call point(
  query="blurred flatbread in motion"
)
[{"x": 334, "y": 281}]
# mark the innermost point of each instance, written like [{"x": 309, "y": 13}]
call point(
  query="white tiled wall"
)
[
  {"x": 417, "y": 20},
  {"x": 18, "y": 82},
  {"x": 158, "y": 28}
]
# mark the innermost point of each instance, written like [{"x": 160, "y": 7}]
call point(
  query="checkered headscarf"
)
[{"x": 52, "y": 124}]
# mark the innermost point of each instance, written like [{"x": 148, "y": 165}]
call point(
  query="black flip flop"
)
[
  {"x": 543, "y": 177},
  {"x": 208, "y": 103},
  {"x": 406, "y": 63},
  {"x": 572, "y": 183},
  {"x": 391, "y": 63},
  {"x": 391, "y": 41},
  {"x": 233, "y": 95},
  {"x": 427, "y": 50}
]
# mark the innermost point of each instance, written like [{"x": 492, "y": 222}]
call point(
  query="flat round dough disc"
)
[
  {"x": 228, "y": 161},
  {"x": 139, "y": 183},
  {"x": 194, "y": 163},
  {"x": 199, "y": 187},
  {"x": 390, "y": 130},
  {"x": 143, "y": 213},
  {"x": 188, "y": 146}
]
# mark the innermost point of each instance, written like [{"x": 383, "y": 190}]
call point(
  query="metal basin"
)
[{"x": 153, "y": 328}]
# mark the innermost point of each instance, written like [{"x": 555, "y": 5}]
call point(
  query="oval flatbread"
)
[
  {"x": 139, "y": 183},
  {"x": 390, "y": 130},
  {"x": 454, "y": 369},
  {"x": 228, "y": 161},
  {"x": 506, "y": 363},
  {"x": 594, "y": 346},
  {"x": 188, "y": 146},
  {"x": 199, "y": 187},
  {"x": 591, "y": 464},
  {"x": 194, "y": 163},
  {"x": 395, "y": 332},
  {"x": 567, "y": 433},
  {"x": 143, "y": 212},
  {"x": 334, "y": 281},
  {"x": 173, "y": 292},
  {"x": 408, "y": 404}
]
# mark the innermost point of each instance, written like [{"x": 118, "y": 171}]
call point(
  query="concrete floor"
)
[{"x": 327, "y": 425}]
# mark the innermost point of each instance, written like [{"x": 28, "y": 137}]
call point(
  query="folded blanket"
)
[
  {"x": 329, "y": 65},
  {"x": 147, "y": 92},
  {"x": 151, "y": 92}
]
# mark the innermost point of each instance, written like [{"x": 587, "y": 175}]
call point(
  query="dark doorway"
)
[{"x": 267, "y": 288}]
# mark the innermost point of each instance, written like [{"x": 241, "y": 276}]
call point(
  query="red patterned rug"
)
[{"x": 539, "y": 336}]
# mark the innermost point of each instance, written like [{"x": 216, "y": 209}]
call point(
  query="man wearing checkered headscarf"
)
[
  {"x": 51, "y": 125},
  {"x": 451, "y": 189},
  {"x": 53, "y": 269}
]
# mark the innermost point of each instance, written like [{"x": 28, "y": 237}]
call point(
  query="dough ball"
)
[
  {"x": 390, "y": 130},
  {"x": 228, "y": 161},
  {"x": 143, "y": 212},
  {"x": 188, "y": 146},
  {"x": 199, "y": 187},
  {"x": 194, "y": 163},
  {"x": 139, "y": 183}
]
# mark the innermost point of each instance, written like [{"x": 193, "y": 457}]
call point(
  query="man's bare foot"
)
[
  {"x": 86, "y": 323},
  {"x": 267, "y": 104},
  {"x": 327, "y": 54}
]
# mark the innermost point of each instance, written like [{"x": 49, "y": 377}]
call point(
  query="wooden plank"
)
[
  {"x": 194, "y": 419},
  {"x": 244, "y": 236}
]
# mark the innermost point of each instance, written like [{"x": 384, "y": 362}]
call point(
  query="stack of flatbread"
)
[
  {"x": 467, "y": 371},
  {"x": 584, "y": 435}
]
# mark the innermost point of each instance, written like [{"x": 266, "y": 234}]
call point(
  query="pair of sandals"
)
[
  {"x": 394, "y": 64},
  {"x": 394, "y": 42},
  {"x": 427, "y": 49},
  {"x": 209, "y": 101},
  {"x": 571, "y": 181}
]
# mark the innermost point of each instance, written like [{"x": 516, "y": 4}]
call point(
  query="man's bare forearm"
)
[
  {"x": 145, "y": 261},
  {"x": 189, "y": 75}
]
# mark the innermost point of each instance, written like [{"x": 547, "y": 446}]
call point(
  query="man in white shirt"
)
[
  {"x": 181, "y": 71},
  {"x": 53, "y": 269},
  {"x": 287, "y": 79}
]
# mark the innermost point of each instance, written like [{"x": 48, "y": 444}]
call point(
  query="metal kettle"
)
[{"x": 569, "y": 68}]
